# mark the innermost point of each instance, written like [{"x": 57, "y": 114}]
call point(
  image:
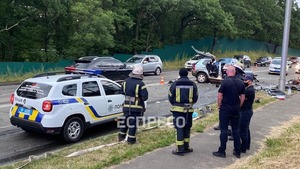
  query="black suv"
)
[
  {"x": 111, "y": 68},
  {"x": 263, "y": 61}
]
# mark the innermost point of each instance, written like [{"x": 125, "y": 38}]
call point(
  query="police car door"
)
[
  {"x": 113, "y": 96},
  {"x": 94, "y": 101}
]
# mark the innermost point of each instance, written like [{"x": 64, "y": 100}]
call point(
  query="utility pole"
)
[{"x": 285, "y": 44}]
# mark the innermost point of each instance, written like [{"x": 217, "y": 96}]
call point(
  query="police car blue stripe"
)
[
  {"x": 26, "y": 116},
  {"x": 67, "y": 101},
  {"x": 73, "y": 100},
  {"x": 39, "y": 117},
  {"x": 64, "y": 101},
  {"x": 84, "y": 100}
]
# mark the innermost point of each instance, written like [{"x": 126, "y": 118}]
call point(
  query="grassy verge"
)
[
  {"x": 280, "y": 151},
  {"x": 19, "y": 77},
  {"x": 109, "y": 156},
  {"x": 175, "y": 64}
]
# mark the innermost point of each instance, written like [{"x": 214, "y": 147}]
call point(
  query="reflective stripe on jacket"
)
[
  {"x": 135, "y": 93},
  {"x": 183, "y": 93}
]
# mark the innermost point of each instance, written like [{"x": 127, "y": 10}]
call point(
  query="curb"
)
[{"x": 9, "y": 83}]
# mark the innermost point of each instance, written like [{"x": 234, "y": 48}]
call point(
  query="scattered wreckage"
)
[{"x": 272, "y": 90}]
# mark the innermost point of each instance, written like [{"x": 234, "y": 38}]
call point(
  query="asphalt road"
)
[{"x": 17, "y": 144}]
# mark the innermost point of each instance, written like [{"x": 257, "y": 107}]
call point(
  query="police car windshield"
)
[
  {"x": 276, "y": 62},
  {"x": 33, "y": 90}
]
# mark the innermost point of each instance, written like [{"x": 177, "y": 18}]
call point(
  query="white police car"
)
[{"x": 65, "y": 104}]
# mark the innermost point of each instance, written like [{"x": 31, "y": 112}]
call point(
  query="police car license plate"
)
[{"x": 25, "y": 111}]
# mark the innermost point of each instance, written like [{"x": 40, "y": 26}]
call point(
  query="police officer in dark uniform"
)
[
  {"x": 136, "y": 94},
  {"x": 246, "y": 113},
  {"x": 183, "y": 93},
  {"x": 231, "y": 96}
]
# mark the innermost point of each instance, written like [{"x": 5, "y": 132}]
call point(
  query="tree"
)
[
  {"x": 271, "y": 19},
  {"x": 94, "y": 27}
]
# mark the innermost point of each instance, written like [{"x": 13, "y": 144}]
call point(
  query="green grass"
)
[
  {"x": 109, "y": 156},
  {"x": 281, "y": 151},
  {"x": 19, "y": 77}
]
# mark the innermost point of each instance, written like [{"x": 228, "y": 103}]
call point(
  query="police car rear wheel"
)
[{"x": 73, "y": 129}]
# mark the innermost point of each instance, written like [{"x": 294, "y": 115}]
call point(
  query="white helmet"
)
[{"x": 137, "y": 70}]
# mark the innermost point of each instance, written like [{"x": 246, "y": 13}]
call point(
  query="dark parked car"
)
[
  {"x": 263, "y": 61},
  {"x": 98, "y": 62},
  {"x": 110, "y": 67}
]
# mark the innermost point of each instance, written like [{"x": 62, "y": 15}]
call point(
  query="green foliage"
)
[{"x": 42, "y": 30}]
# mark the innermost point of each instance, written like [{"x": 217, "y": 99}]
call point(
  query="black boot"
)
[
  {"x": 219, "y": 153},
  {"x": 187, "y": 148},
  {"x": 217, "y": 127},
  {"x": 237, "y": 154},
  {"x": 179, "y": 151},
  {"x": 121, "y": 137}
]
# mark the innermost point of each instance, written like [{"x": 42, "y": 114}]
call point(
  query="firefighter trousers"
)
[
  {"x": 128, "y": 123},
  {"x": 182, "y": 123}
]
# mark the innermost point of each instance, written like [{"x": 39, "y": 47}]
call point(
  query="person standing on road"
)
[
  {"x": 136, "y": 94},
  {"x": 246, "y": 113},
  {"x": 231, "y": 96},
  {"x": 183, "y": 93}
]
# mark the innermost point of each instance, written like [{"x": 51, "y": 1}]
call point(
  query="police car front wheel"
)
[{"x": 73, "y": 130}]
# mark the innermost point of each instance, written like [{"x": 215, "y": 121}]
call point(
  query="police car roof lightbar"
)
[{"x": 85, "y": 71}]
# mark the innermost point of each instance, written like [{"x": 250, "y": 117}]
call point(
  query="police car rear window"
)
[{"x": 33, "y": 90}]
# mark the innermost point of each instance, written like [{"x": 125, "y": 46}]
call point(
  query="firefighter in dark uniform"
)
[
  {"x": 183, "y": 93},
  {"x": 136, "y": 94}
]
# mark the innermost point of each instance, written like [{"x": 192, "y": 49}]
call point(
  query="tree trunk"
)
[
  {"x": 183, "y": 25},
  {"x": 11, "y": 46},
  {"x": 45, "y": 38},
  {"x": 148, "y": 45},
  {"x": 180, "y": 31},
  {"x": 275, "y": 48},
  {"x": 214, "y": 42},
  {"x": 2, "y": 52},
  {"x": 137, "y": 30}
]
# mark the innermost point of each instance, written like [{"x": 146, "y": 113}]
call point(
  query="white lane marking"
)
[
  {"x": 259, "y": 71},
  {"x": 5, "y": 105},
  {"x": 5, "y": 94},
  {"x": 3, "y": 127}
]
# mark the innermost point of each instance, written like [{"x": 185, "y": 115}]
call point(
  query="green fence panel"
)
[
  {"x": 25, "y": 67},
  {"x": 122, "y": 57},
  {"x": 168, "y": 52}
]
